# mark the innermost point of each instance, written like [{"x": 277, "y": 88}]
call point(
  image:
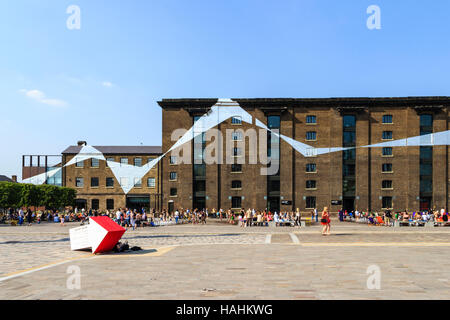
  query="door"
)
[
  {"x": 171, "y": 207},
  {"x": 349, "y": 204},
  {"x": 273, "y": 204}
]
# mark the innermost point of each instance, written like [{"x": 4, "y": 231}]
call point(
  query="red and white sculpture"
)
[{"x": 101, "y": 235}]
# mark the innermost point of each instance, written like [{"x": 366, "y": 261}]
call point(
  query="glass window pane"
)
[
  {"x": 95, "y": 163},
  {"x": 273, "y": 122},
  {"x": 310, "y": 119},
  {"x": 349, "y": 121},
  {"x": 387, "y": 118},
  {"x": 426, "y": 120}
]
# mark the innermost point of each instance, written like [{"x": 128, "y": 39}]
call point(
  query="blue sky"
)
[{"x": 101, "y": 83}]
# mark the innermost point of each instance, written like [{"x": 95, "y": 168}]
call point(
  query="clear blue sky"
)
[{"x": 101, "y": 83}]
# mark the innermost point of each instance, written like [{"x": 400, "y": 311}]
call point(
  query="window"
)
[
  {"x": 237, "y": 151},
  {"x": 123, "y": 160},
  {"x": 138, "y": 182},
  {"x": 150, "y": 159},
  {"x": 348, "y": 170},
  {"x": 349, "y": 121},
  {"x": 274, "y": 185},
  {"x": 173, "y": 192},
  {"x": 95, "y": 204},
  {"x": 236, "y": 184},
  {"x": 200, "y": 186},
  {"x": 79, "y": 182},
  {"x": 151, "y": 182},
  {"x": 109, "y": 159},
  {"x": 387, "y": 118},
  {"x": 426, "y": 153},
  {"x": 236, "y": 202},
  {"x": 123, "y": 182},
  {"x": 311, "y": 152},
  {"x": 426, "y": 120},
  {"x": 311, "y": 135},
  {"x": 310, "y": 202},
  {"x": 236, "y": 135},
  {"x": 349, "y": 138},
  {"x": 349, "y": 154},
  {"x": 79, "y": 164},
  {"x": 387, "y": 135},
  {"x": 236, "y": 120},
  {"x": 109, "y": 182},
  {"x": 95, "y": 163},
  {"x": 387, "y": 151},
  {"x": 235, "y": 167},
  {"x": 387, "y": 202},
  {"x": 310, "y": 184},
  {"x": 386, "y": 167},
  {"x": 311, "y": 119},
  {"x": 173, "y": 160},
  {"x": 138, "y": 162},
  {"x": 386, "y": 184},
  {"x": 173, "y": 176},
  {"x": 426, "y": 185},
  {"x": 94, "y": 182},
  {"x": 109, "y": 204},
  {"x": 310, "y": 167},
  {"x": 273, "y": 122},
  {"x": 199, "y": 170},
  {"x": 426, "y": 169}
]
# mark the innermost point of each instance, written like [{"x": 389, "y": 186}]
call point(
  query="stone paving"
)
[{"x": 219, "y": 261}]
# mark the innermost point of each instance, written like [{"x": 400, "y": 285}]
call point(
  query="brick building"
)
[
  {"x": 98, "y": 188},
  {"x": 375, "y": 178}
]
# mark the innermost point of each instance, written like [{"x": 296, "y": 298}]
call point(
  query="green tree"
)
[{"x": 31, "y": 195}]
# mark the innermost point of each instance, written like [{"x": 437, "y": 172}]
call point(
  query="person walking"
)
[
  {"x": 29, "y": 217},
  {"x": 133, "y": 219},
  {"x": 325, "y": 221}
]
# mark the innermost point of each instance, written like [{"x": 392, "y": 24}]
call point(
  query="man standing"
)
[{"x": 118, "y": 216}]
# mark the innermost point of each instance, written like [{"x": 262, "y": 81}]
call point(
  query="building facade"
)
[
  {"x": 363, "y": 178},
  {"x": 98, "y": 188}
]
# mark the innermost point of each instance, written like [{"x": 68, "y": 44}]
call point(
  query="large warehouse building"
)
[{"x": 374, "y": 161}]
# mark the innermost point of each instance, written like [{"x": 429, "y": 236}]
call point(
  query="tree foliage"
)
[{"x": 14, "y": 195}]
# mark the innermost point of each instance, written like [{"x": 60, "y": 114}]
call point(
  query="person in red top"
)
[{"x": 325, "y": 221}]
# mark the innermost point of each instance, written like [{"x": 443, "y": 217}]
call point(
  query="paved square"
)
[{"x": 219, "y": 261}]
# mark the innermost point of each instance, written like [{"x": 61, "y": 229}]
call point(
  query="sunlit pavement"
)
[{"x": 220, "y": 261}]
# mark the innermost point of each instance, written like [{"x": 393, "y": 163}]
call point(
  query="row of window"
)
[
  {"x": 310, "y": 167},
  {"x": 95, "y": 204},
  {"x": 95, "y": 182},
  {"x": 95, "y": 163},
  {"x": 312, "y": 119}
]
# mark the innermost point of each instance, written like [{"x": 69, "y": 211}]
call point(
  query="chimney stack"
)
[
  {"x": 82, "y": 143},
  {"x": 14, "y": 178}
]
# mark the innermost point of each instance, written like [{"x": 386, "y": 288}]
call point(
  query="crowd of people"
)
[
  {"x": 133, "y": 218},
  {"x": 388, "y": 217}
]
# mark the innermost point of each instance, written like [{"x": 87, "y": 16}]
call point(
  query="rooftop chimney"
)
[
  {"x": 14, "y": 178},
  {"x": 82, "y": 143}
]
